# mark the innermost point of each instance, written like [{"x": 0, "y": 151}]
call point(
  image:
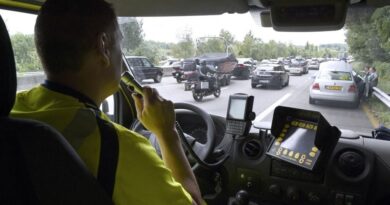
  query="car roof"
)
[
  {"x": 136, "y": 57},
  {"x": 336, "y": 66},
  {"x": 269, "y": 65}
]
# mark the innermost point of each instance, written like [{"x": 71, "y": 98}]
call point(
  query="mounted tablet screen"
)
[{"x": 296, "y": 144}]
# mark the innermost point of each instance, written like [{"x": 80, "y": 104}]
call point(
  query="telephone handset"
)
[{"x": 129, "y": 80}]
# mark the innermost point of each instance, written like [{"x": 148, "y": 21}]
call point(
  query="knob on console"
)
[
  {"x": 292, "y": 194},
  {"x": 242, "y": 198},
  {"x": 275, "y": 190},
  {"x": 351, "y": 163}
]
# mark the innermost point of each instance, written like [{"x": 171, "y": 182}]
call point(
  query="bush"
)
[{"x": 383, "y": 70}]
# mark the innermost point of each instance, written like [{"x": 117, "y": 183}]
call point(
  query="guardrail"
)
[{"x": 382, "y": 96}]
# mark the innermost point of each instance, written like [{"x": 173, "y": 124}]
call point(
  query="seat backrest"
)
[{"x": 37, "y": 164}]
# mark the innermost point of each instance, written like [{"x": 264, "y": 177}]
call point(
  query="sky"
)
[{"x": 169, "y": 29}]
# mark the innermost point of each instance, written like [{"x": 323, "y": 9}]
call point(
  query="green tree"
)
[
  {"x": 26, "y": 57},
  {"x": 229, "y": 38},
  {"x": 249, "y": 46},
  {"x": 154, "y": 51},
  {"x": 210, "y": 45},
  {"x": 381, "y": 24},
  {"x": 132, "y": 33},
  {"x": 185, "y": 47}
]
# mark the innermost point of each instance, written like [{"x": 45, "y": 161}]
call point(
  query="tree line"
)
[
  {"x": 249, "y": 47},
  {"x": 368, "y": 38},
  {"x": 134, "y": 43}
]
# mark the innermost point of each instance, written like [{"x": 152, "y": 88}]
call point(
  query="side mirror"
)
[{"x": 105, "y": 108}]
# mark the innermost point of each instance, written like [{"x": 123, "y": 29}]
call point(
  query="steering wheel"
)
[{"x": 202, "y": 151}]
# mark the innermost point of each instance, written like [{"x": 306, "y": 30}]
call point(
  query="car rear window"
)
[
  {"x": 335, "y": 75},
  {"x": 267, "y": 68},
  {"x": 135, "y": 61}
]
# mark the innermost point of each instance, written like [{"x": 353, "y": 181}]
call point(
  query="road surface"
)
[{"x": 295, "y": 95}]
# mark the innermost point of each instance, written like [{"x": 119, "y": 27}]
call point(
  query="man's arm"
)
[{"x": 157, "y": 115}]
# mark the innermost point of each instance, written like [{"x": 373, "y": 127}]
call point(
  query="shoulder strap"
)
[{"x": 109, "y": 153}]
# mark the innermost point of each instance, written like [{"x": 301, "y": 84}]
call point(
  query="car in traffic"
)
[
  {"x": 297, "y": 67},
  {"x": 144, "y": 69},
  {"x": 313, "y": 65},
  {"x": 335, "y": 82},
  {"x": 273, "y": 75},
  {"x": 244, "y": 68}
]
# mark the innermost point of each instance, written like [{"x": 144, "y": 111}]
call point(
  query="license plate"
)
[
  {"x": 263, "y": 81},
  {"x": 331, "y": 87},
  {"x": 204, "y": 85}
]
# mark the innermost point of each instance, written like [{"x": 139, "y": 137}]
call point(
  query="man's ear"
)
[{"x": 103, "y": 49}]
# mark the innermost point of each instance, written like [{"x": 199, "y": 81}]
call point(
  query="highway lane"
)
[{"x": 295, "y": 95}]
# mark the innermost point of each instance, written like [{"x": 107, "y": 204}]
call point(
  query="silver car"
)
[{"x": 334, "y": 85}]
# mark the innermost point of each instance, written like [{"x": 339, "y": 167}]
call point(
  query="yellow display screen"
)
[{"x": 296, "y": 144}]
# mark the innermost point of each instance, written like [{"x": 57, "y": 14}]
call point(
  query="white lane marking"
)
[
  {"x": 271, "y": 108},
  {"x": 224, "y": 88}
]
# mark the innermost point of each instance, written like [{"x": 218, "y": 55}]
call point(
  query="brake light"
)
[
  {"x": 316, "y": 86},
  {"x": 352, "y": 89}
]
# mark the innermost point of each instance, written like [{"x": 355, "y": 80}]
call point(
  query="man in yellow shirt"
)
[{"x": 78, "y": 42}]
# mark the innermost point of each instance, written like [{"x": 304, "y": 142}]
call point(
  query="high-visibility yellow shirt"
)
[{"x": 140, "y": 176}]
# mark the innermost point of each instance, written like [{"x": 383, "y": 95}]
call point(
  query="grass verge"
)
[{"x": 380, "y": 111}]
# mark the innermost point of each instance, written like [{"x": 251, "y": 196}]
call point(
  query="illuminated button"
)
[
  {"x": 277, "y": 153},
  {"x": 294, "y": 123},
  {"x": 280, "y": 149},
  {"x": 286, "y": 126},
  {"x": 285, "y": 152},
  {"x": 314, "y": 149},
  {"x": 309, "y": 126},
  {"x": 291, "y": 153},
  {"x": 277, "y": 143},
  {"x": 315, "y": 128},
  {"x": 284, "y": 130},
  {"x": 279, "y": 139},
  {"x": 296, "y": 156},
  {"x": 282, "y": 135},
  {"x": 301, "y": 124},
  {"x": 242, "y": 176},
  {"x": 303, "y": 156},
  {"x": 301, "y": 161},
  {"x": 312, "y": 154}
]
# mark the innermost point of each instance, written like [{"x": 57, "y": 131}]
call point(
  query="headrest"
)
[{"x": 7, "y": 72}]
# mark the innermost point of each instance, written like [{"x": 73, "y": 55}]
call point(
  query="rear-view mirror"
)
[{"x": 303, "y": 15}]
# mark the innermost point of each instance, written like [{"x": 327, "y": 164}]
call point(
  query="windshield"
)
[
  {"x": 335, "y": 75},
  {"x": 228, "y": 44}
]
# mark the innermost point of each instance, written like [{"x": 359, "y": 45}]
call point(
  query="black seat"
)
[{"x": 37, "y": 165}]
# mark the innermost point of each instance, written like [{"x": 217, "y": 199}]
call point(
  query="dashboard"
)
[{"x": 357, "y": 171}]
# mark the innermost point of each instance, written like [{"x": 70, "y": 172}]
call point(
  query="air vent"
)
[
  {"x": 252, "y": 149},
  {"x": 351, "y": 163}
]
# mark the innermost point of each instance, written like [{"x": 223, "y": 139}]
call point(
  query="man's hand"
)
[
  {"x": 155, "y": 113},
  {"x": 158, "y": 116}
]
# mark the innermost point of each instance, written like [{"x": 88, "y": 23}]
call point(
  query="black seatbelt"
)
[{"x": 109, "y": 153}]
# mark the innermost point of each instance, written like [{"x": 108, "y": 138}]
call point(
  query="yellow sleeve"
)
[{"x": 142, "y": 177}]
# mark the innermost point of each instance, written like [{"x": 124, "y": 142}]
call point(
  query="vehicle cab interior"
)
[{"x": 299, "y": 157}]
